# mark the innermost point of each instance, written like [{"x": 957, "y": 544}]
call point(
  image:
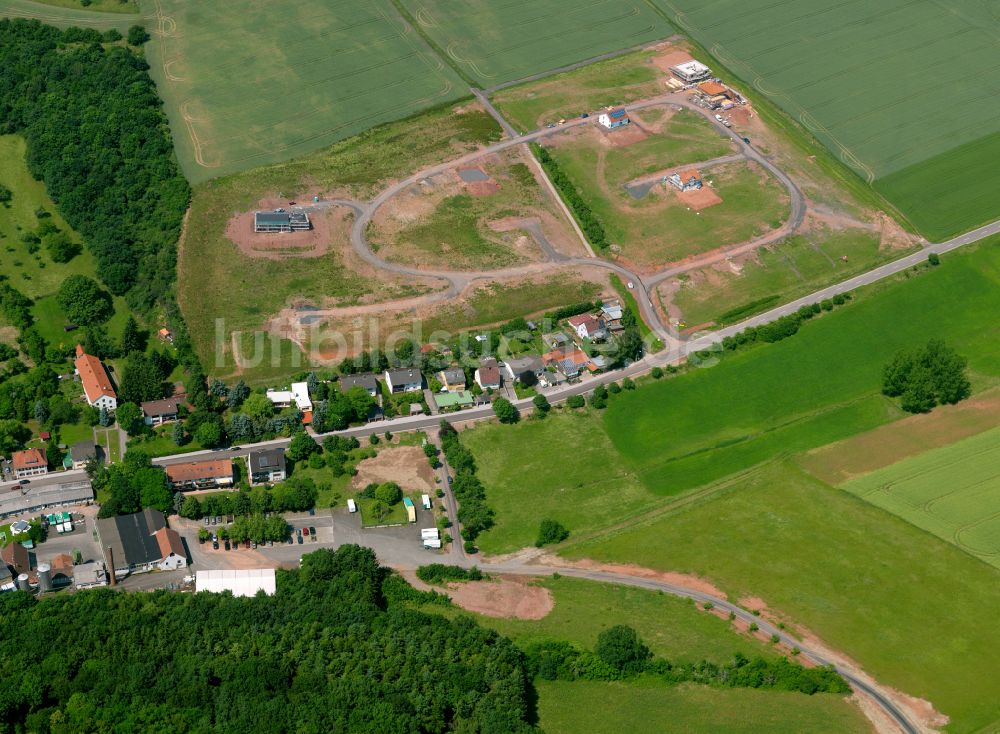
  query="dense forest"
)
[
  {"x": 336, "y": 649},
  {"x": 98, "y": 138}
]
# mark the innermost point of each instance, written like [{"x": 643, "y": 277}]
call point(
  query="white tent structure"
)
[{"x": 241, "y": 582}]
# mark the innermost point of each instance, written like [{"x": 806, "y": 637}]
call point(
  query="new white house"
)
[
  {"x": 614, "y": 118},
  {"x": 297, "y": 396}
]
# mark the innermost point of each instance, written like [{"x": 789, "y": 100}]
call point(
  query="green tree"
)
[
  {"x": 153, "y": 490},
  {"x": 131, "y": 338},
  {"x": 137, "y": 35},
  {"x": 389, "y": 493},
  {"x": 5, "y": 195},
  {"x": 541, "y": 404},
  {"x": 302, "y": 446},
  {"x": 13, "y": 435},
  {"x": 61, "y": 248},
  {"x": 178, "y": 434},
  {"x": 209, "y": 434},
  {"x": 258, "y": 407},
  {"x": 621, "y": 648},
  {"x": 191, "y": 508},
  {"x": 505, "y": 411},
  {"x": 83, "y": 301},
  {"x": 550, "y": 532},
  {"x": 129, "y": 417},
  {"x": 575, "y": 401},
  {"x": 140, "y": 380},
  {"x": 237, "y": 394}
]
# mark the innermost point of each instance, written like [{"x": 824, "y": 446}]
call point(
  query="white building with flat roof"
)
[
  {"x": 297, "y": 396},
  {"x": 240, "y": 582},
  {"x": 691, "y": 71}
]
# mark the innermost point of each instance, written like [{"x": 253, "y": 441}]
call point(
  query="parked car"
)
[
  {"x": 218, "y": 519},
  {"x": 215, "y": 544},
  {"x": 305, "y": 531},
  {"x": 270, "y": 544},
  {"x": 300, "y": 540},
  {"x": 585, "y": 115},
  {"x": 25, "y": 481},
  {"x": 289, "y": 540},
  {"x": 208, "y": 521},
  {"x": 312, "y": 531},
  {"x": 253, "y": 546},
  {"x": 228, "y": 546},
  {"x": 246, "y": 543},
  {"x": 312, "y": 511}
]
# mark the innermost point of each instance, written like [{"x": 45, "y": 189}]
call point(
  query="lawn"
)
[
  {"x": 671, "y": 627},
  {"x": 107, "y": 438},
  {"x": 492, "y": 42},
  {"x": 817, "y": 387},
  {"x": 457, "y": 233},
  {"x": 619, "y": 80},
  {"x": 65, "y": 13},
  {"x": 795, "y": 267},
  {"x": 161, "y": 443},
  {"x": 646, "y": 706},
  {"x": 659, "y": 228},
  {"x": 952, "y": 492},
  {"x": 914, "y": 110},
  {"x": 216, "y": 281},
  {"x": 348, "y": 67},
  {"x": 395, "y": 516},
  {"x": 563, "y": 467},
  {"x": 35, "y": 274},
  {"x": 907, "y": 606}
]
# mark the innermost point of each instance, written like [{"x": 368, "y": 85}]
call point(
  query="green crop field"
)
[
  {"x": 247, "y": 83},
  {"x": 493, "y": 42},
  {"x": 907, "y": 606},
  {"x": 66, "y": 13},
  {"x": 646, "y": 707},
  {"x": 953, "y": 492},
  {"x": 892, "y": 103},
  {"x": 814, "y": 388}
]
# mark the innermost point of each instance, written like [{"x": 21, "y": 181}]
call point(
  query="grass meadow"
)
[
  {"x": 491, "y": 43},
  {"x": 649, "y": 707},
  {"x": 912, "y": 109},
  {"x": 246, "y": 84},
  {"x": 215, "y": 280},
  {"x": 907, "y": 606},
  {"x": 793, "y": 268},
  {"x": 659, "y": 228},
  {"x": 620, "y": 80},
  {"x": 952, "y": 492}
]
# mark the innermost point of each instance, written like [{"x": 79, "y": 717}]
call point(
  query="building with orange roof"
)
[
  {"x": 30, "y": 463},
  {"x": 200, "y": 474},
  {"x": 97, "y": 386},
  {"x": 712, "y": 88}
]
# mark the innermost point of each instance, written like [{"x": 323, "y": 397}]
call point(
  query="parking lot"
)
[{"x": 400, "y": 547}]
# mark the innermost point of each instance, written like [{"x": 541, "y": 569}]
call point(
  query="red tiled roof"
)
[
  {"x": 193, "y": 471},
  {"x": 169, "y": 541},
  {"x": 96, "y": 383},
  {"x": 29, "y": 459}
]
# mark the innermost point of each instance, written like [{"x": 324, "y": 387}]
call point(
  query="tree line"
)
[
  {"x": 337, "y": 648},
  {"x": 474, "y": 514},
  {"x": 589, "y": 222},
  {"x": 98, "y": 138}
]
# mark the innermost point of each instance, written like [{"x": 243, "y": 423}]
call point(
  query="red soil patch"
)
[
  {"x": 622, "y": 136},
  {"x": 688, "y": 581},
  {"x": 329, "y": 227},
  {"x": 664, "y": 61},
  {"x": 482, "y": 188},
  {"x": 698, "y": 199},
  {"x": 407, "y": 466},
  {"x": 506, "y": 597}
]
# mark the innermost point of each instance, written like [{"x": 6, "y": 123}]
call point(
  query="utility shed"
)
[{"x": 240, "y": 582}]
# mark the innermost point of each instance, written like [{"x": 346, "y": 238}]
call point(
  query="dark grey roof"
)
[
  {"x": 454, "y": 375},
  {"x": 271, "y": 217},
  {"x": 519, "y": 365},
  {"x": 267, "y": 460},
  {"x": 404, "y": 377},
  {"x": 83, "y": 450},
  {"x": 368, "y": 382},
  {"x": 167, "y": 406},
  {"x": 131, "y": 537}
]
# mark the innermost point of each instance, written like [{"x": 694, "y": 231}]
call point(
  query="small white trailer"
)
[
  {"x": 425, "y": 500},
  {"x": 432, "y": 543},
  {"x": 426, "y": 533},
  {"x": 352, "y": 506}
]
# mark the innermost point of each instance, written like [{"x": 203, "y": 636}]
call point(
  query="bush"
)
[
  {"x": 137, "y": 35},
  {"x": 628, "y": 384},
  {"x": 621, "y": 648},
  {"x": 575, "y": 401},
  {"x": 934, "y": 259},
  {"x": 440, "y": 573},
  {"x": 614, "y": 388},
  {"x": 656, "y": 373},
  {"x": 470, "y": 547},
  {"x": 541, "y": 404},
  {"x": 505, "y": 411},
  {"x": 550, "y": 532}
]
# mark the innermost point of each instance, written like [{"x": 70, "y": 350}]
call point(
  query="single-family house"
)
[
  {"x": 615, "y": 118},
  {"x": 97, "y": 386},
  {"x": 488, "y": 375},
  {"x": 29, "y": 463},
  {"x": 267, "y": 466},
  {"x": 405, "y": 380},
  {"x": 449, "y": 400},
  {"x": 555, "y": 339},
  {"x": 368, "y": 381},
  {"x": 598, "y": 363},
  {"x": 297, "y": 396},
  {"x": 452, "y": 379},
  {"x": 611, "y": 314},
  {"x": 587, "y": 326},
  {"x": 204, "y": 474},
  {"x": 141, "y": 542},
  {"x": 82, "y": 452},
  {"x": 569, "y": 362},
  {"x": 517, "y": 368},
  {"x": 158, "y": 412}
]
